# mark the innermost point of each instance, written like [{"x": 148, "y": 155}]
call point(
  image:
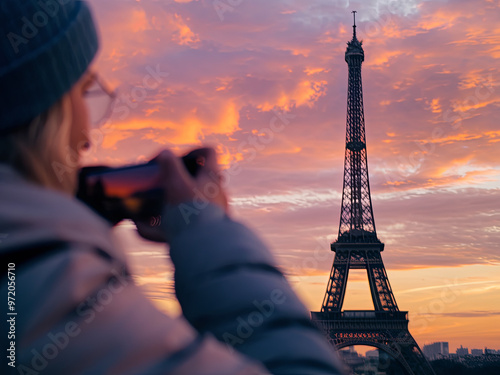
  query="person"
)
[{"x": 74, "y": 308}]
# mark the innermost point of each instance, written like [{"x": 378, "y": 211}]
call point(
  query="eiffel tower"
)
[{"x": 358, "y": 247}]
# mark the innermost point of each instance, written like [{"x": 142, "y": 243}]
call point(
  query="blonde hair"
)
[{"x": 36, "y": 148}]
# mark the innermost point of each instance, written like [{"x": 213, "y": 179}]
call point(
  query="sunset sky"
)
[{"x": 265, "y": 82}]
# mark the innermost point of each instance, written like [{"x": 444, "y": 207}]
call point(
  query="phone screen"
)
[{"x": 124, "y": 182}]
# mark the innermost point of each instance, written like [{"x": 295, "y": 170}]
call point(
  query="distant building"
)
[
  {"x": 491, "y": 351},
  {"x": 372, "y": 354},
  {"x": 462, "y": 351},
  {"x": 351, "y": 357},
  {"x": 476, "y": 351},
  {"x": 436, "y": 350}
]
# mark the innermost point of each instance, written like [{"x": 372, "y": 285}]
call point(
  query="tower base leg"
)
[{"x": 385, "y": 331}]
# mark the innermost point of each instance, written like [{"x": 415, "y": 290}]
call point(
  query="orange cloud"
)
[
  {"x": 439, "y": 19},
  {"x": 305, "y": 93},
  {"x": 190, "y": 128},
  {"x": 454, "y": 138},
  {"x": 476, "y": 78},
  {"x": 183, "y": 34},
  {"x": 464, "y": 106},
  {"x": 393, "y": 30},
  {"x": 452, "y": 167},
  {"x": 435, "y": 106},
  {"x": 311, "y": 71},
  {"x": 139, "y": 21},
  {"x": 383, "y": 59},
  {"x": 111, "y": 139}
]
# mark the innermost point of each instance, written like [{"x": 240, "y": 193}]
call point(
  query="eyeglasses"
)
[{"x": 100, "y": 102}]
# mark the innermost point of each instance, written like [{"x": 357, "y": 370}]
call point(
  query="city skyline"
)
[
  {"x": 363, "y": 350},
  {"x": 225, "y": 75}
]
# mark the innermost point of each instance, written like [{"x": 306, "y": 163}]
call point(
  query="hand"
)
[{"x": 181, "y": 187}]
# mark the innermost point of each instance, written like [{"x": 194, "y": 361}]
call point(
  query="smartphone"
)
[{"x": 131, "y": 191}]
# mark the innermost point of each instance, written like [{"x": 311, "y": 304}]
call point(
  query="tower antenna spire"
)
[{"x": 354, "y": 26}]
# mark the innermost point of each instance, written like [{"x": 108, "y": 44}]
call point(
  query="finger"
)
[
  {"x": 175, "y": 179},
  {"x": 210, "y": 159},
  {"x": 210, "y": 167},
  {"x": 171, "y": 167},
  {"x": 209, "y": 179}
]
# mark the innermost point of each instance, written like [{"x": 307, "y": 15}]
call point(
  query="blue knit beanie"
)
[{"x": 45, "y": 47}]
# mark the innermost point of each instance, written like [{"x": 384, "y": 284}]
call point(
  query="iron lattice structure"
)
[{"x": 358, "y": 247}]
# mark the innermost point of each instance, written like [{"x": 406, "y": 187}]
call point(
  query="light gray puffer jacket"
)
[{"x": 79, "y": 311}]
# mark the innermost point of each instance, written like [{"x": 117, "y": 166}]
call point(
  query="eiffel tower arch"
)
[{"x": 358, "y": 247}]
